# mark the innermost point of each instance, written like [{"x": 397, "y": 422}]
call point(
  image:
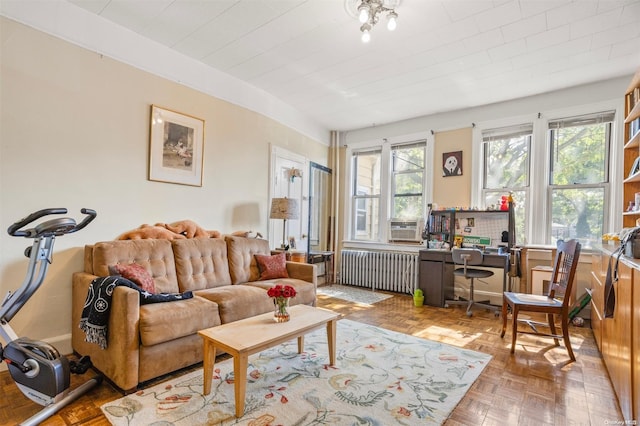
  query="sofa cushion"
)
[
  {"x": 136, "y": 274},
  {"x": 271, "y": 267},
  {"x": 242, "y": 262},
  {"x": 305, "y": 291},
  {"x": 236, "y": 302},
  {"x": 161, "y": 322},
  {"x": 201, "y": 263},
  {"x": 155, "y": 255}
]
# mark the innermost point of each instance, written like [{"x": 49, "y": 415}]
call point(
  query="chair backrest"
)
[
  {"x": 564, "y": 270},
  {"x": 472, "y": 256}
]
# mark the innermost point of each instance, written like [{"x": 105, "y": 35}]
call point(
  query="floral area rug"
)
[
  {"x": 353, "y": 294},
  {"x": 380, "y": 378}
]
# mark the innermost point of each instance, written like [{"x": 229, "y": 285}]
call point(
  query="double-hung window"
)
[
  {"x": 579, "y": 176},
  {"x": 366, "y": 195},
  {"x": 407, "y": 181},
  {"x": 506, "y": 156},
  {"x": 388, "y": 182}
]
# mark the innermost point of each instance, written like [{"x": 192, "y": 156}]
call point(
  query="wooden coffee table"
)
[{"x": 248, "y": 336}]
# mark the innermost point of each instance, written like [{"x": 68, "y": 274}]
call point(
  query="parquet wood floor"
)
[{"x": 535, "y": 386}]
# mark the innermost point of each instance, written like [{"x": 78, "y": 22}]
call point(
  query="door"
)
[{"x": 289, "y": 180}]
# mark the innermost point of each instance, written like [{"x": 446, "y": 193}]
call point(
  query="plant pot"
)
[{"x": 418, "y": 300}]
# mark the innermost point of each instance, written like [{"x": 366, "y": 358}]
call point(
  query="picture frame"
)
[
  {"x": 176, "y": 147},
  {"x": 635, "y": 168},
  {"x": 452, "y": 164}
]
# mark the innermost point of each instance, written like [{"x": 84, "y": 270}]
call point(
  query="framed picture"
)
[
  {"x": 176, "y": 147},
  {"x": 635, "y": 168},
  {"x": 452, "y": 163}
]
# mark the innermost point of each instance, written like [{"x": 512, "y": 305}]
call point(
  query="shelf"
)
[
  {"x": 634, "y": 178},
  {"x": 633, "y": 114},
  {"x": 634, "y": 141},
  {"x": 635, "y": 213},
  {"x": 635, "y": 82}
]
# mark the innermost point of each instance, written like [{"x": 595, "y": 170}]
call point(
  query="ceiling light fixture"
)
[{"x": 368, "y": 13}]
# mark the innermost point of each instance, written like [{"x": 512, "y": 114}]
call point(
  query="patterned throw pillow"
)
[
  {"x": 272, "y": 266},
  {"x": 136, "y": 273}
]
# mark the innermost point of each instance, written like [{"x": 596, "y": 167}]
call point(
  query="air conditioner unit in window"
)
[{"x": 405, "y": 230}]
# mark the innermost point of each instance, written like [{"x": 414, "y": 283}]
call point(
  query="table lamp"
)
[{"x": 284, "y": 208}]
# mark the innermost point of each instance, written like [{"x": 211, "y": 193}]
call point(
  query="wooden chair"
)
[{"x": 556, "y": 302}]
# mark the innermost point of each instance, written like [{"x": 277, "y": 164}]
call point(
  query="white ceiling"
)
[{"x": 445, "y": 54}]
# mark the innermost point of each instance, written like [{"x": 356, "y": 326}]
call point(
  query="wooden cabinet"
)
[
  {"x": 598, "y": 273},
  {"x": 635, "y": 346},
  {"x": 631, "y": 184},
  {"x": 616, "y": 339},
  {"x": 617, "y": 336}
]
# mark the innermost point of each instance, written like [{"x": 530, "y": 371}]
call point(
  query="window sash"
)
[
  {"x": 397, "y": 178},
  {"x": 490, "y": 136}
]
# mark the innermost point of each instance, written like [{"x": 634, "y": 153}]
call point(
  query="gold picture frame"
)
[{"x": 176, "y": 147}]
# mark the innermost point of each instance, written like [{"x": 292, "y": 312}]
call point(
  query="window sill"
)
[{"x": 376, "y": 245}]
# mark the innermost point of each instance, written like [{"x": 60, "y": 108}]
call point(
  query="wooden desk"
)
[
  {"x": 248, "y": 336},
  {"x": 327, "y": 258},
  {"x": 435, "y": 274}
]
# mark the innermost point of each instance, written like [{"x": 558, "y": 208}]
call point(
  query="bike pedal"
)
[{"x": 81, "y": 366}]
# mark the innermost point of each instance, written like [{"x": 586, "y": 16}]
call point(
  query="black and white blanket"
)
[{"x": 95, "y": 314}]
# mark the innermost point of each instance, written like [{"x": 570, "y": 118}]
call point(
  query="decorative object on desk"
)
[
  {"x": 418, "y": 297},
  {"x": 504, "y": 203},
  {"x": 281, "y": 295},
  {"x": 176, "y": 147},
  {"x": 452, "y": 163},
  {"x": 284, "y": 208}
]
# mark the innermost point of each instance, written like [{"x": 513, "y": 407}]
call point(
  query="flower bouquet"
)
[{"x": 281, "y": 295}]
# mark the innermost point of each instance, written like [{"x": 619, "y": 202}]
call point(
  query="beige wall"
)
[
  {"x": 452, "y": 191},
  {"x": 74, "y": 133}
]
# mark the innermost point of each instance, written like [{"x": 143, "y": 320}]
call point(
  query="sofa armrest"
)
[
  {"x": 303, "y": 271},
  {"x": 120, "y": 360}
]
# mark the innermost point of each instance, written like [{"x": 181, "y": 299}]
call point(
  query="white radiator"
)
[{"x": 378, "y": 270}]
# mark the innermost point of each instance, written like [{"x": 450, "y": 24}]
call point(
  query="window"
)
[
  {"x": 506, "y": 170},
  {"x": 407, "y": 177},
  {"x": 366, "y": 196},
  {"x": 388, "y": 182},
  {"x": 579, "y": 177}
]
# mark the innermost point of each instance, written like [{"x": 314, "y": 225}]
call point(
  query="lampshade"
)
[{"x": 284, "y": 208}]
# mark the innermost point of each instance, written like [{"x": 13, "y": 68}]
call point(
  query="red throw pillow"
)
[
  {"x": 136, "y": 273},
  {"x": 272, "y": 266}
]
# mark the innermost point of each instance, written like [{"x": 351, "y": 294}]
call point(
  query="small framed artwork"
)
[
  {"x": 635, "y": 168},
  {"x": 176, "y": 147},
  {"x": 452, "y": 163}
]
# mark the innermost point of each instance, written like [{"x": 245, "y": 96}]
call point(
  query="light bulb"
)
[
  {"x": 366, "y": 36},
  {"x": 392, "y": 23},
  {"x": 363, "y": 15}
]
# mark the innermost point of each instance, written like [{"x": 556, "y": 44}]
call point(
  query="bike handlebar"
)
[
  {"x": 91, "y": 214},
  {"x": 65, "y": 227}
]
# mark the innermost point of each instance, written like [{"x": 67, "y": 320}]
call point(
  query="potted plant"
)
[{"x": 418, "y": 297}]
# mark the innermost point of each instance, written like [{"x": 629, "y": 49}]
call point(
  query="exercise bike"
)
[{"x": 38, "y": 369}]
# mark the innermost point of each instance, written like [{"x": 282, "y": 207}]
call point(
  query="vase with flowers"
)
[{"x": 281, "y": 295}]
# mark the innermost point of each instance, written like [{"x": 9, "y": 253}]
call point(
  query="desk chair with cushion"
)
[
  {"x": 555, "y": 302},
  {"x": 467, "y": 257}
]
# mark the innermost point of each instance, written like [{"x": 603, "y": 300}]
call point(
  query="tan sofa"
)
[{"x": 147, "y": 341}]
